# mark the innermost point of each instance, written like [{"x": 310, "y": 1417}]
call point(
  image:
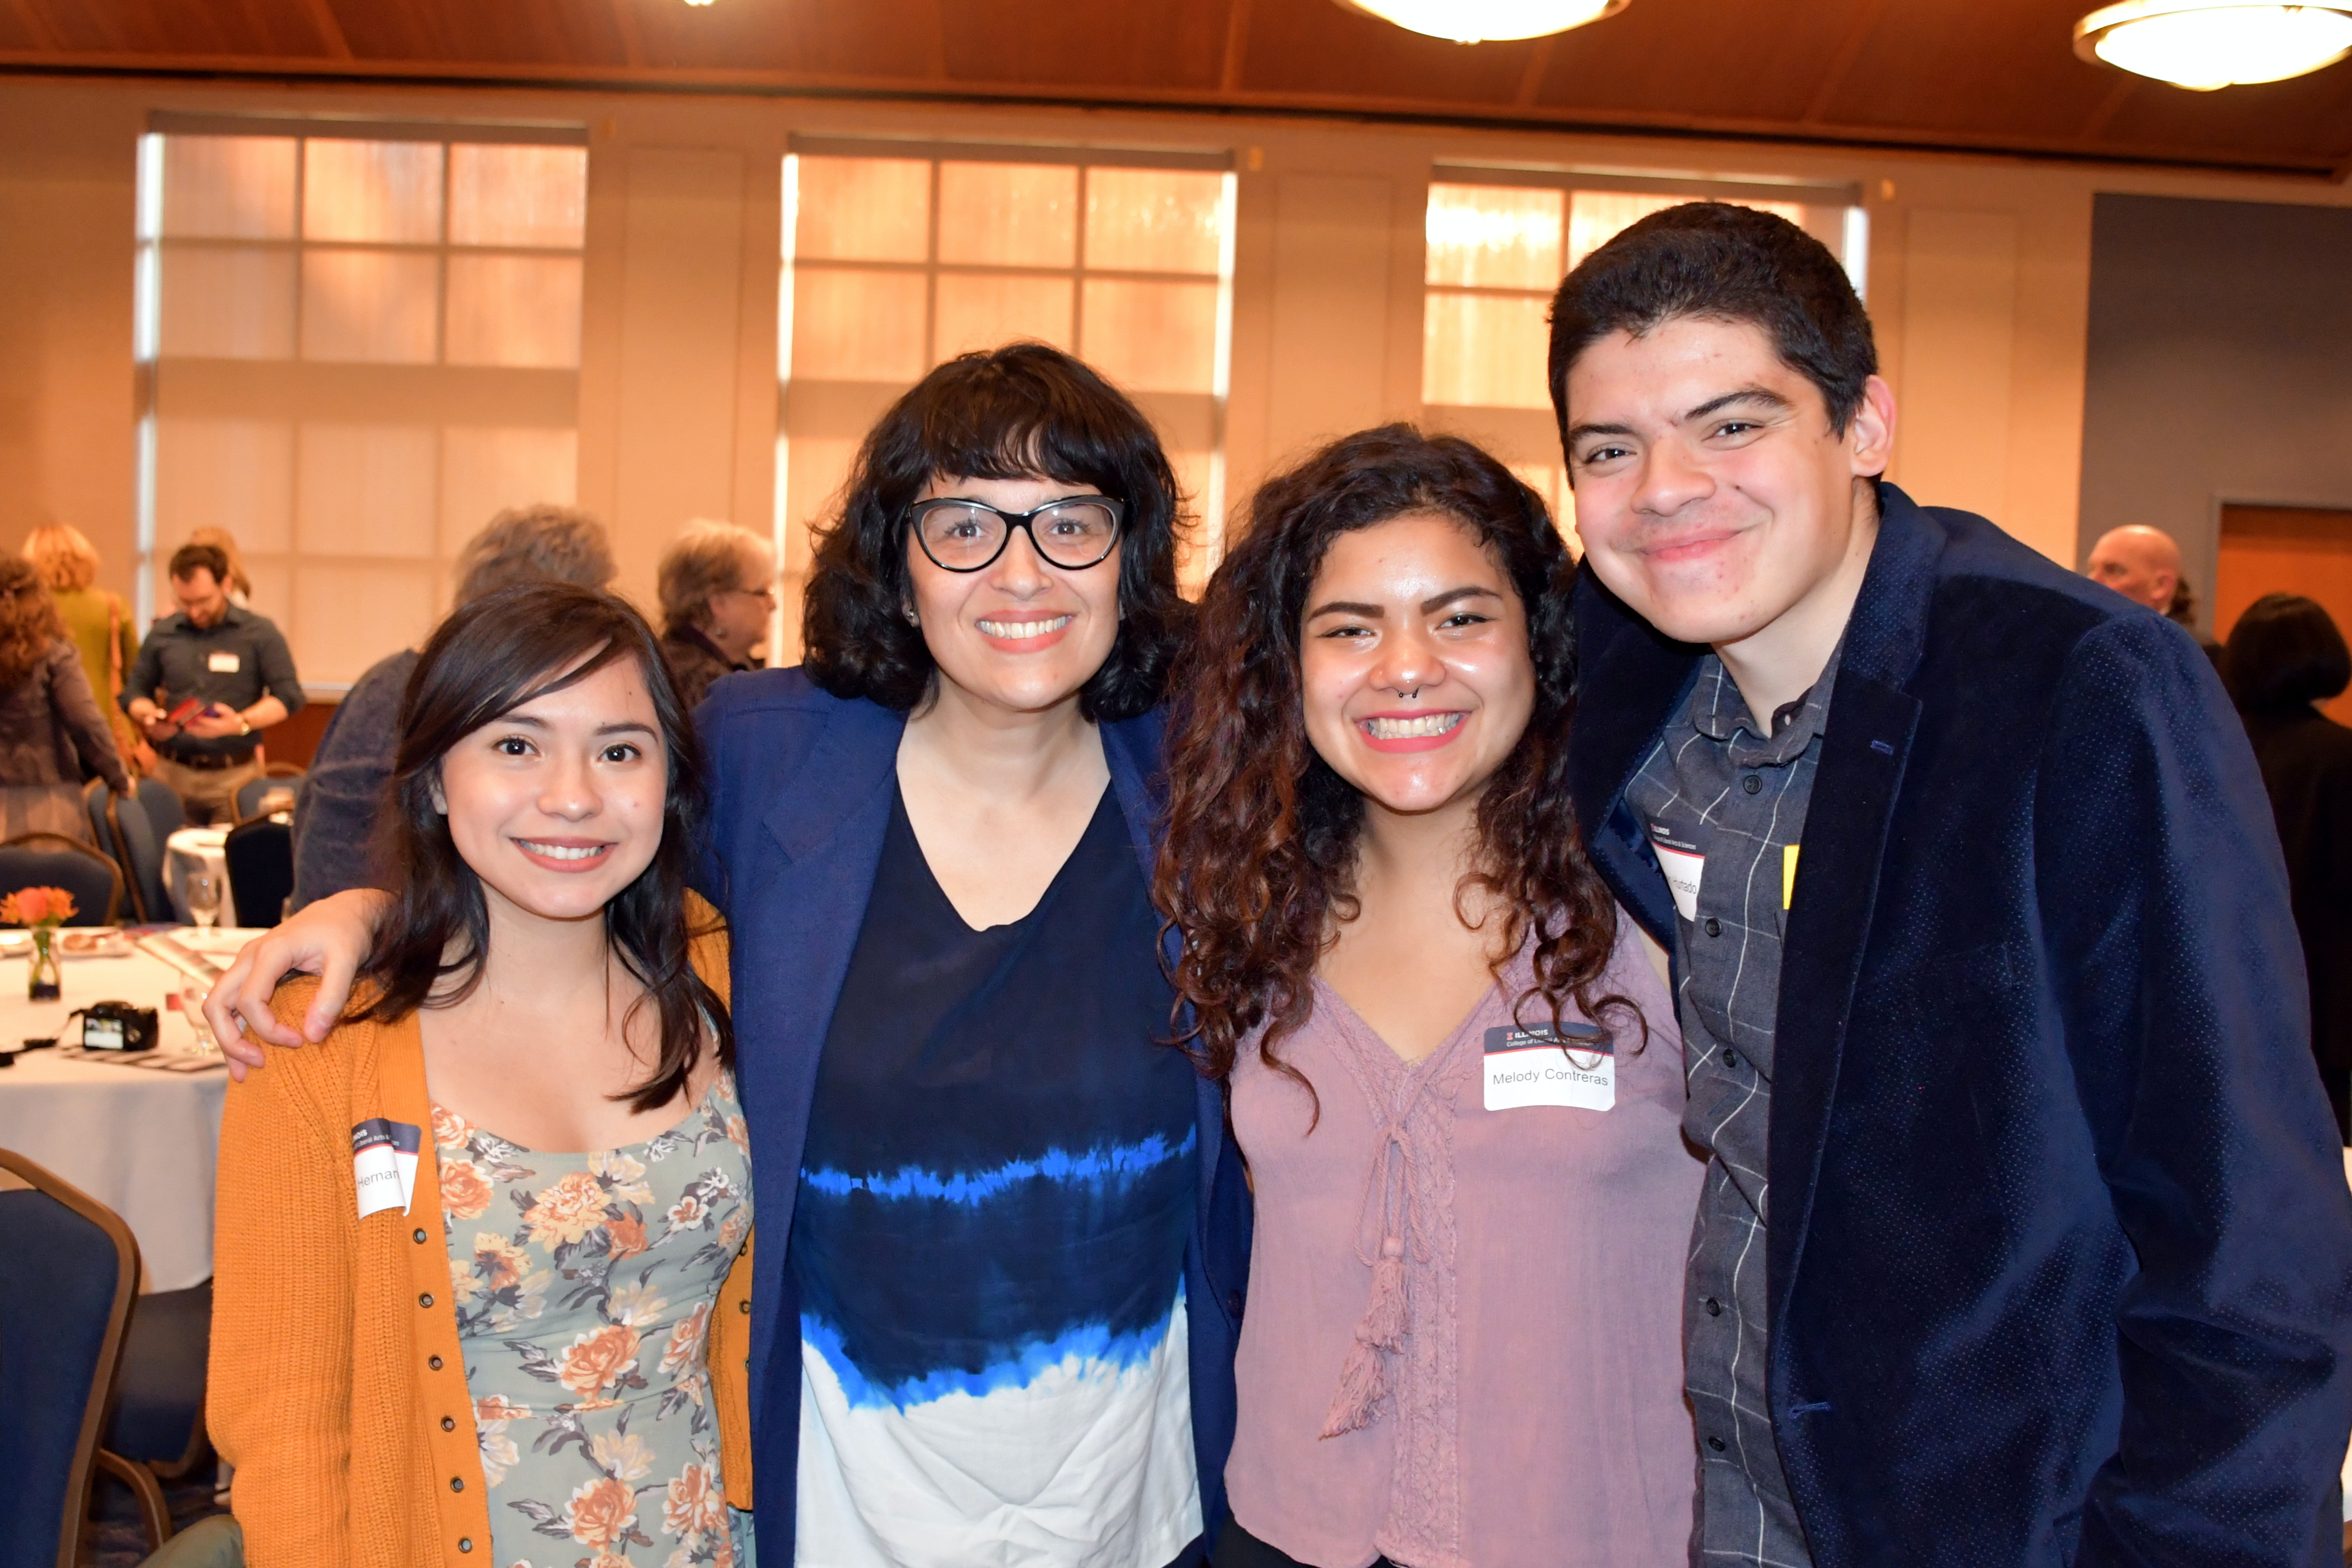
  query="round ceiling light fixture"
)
[
  {"x": 1480, "y": 21},
  {"x": 2203, "y": 44}
]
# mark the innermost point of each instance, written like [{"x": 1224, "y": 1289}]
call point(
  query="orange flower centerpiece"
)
[{"x": 44, "y": 910}]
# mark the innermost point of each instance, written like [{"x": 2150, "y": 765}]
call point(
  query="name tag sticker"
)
[
  {"x": 222, "y": 662},
  {"x": 1576, "y": 1068},
  {"x": 1684, "y": 868},
  {"x": 383, "y": 1164}
]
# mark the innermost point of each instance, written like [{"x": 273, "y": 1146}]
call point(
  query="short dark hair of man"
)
[
  {"x": 1717, "y": 262},
  {"x": 2286, "y": 651},
  {"x": 539, "y": 544},
  {"x": 187, "y": 560},
  {"x": 1022, "y": 411}
]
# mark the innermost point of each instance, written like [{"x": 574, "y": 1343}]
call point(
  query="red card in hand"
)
[{"x": 188, "y": 708}]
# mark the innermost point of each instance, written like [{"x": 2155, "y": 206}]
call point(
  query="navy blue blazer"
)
[
  {"x": 2060, "y": 1266},
  {"x": 801, "y": 789}
]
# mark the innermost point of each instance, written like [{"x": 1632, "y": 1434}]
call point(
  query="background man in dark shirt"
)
[
  {"x": 232, "y": 661},
  {"x": 2055, "y": 1266}
]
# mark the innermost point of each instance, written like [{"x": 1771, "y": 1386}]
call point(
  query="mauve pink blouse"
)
[{"x": 1531, "y": 1413}]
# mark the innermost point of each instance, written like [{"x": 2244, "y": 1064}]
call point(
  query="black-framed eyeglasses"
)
[{"x": 1074, "y": 533}]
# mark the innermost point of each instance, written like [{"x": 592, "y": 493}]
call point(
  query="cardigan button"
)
[
  {"x": 433, "y": 1361},
  {"x": 464, "y": 1543},
  {"x": 420, "y": 1236},
  {"x": 456, "y": 1483},
  {"x": 448, "y": 1424},
  {"x": 744, "y": 1305},
  {"x": 425, "y": 1299}
]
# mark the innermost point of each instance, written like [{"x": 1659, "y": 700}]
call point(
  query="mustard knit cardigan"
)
[{"x": 337, "y": 1386}]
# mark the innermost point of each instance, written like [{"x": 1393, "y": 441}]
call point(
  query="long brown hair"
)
[
  {"x": 488, "y": 658},
  {"x": 28, "y": 621},
  {"x": 1260, "y": 853}
]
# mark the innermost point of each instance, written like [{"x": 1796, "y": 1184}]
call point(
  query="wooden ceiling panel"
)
[
  {"x": 260, "y": 27},
  {"x": 1315, "y": 49},
  {"x": 2253, "y": 119},
  {"x": 1963, "y": 74},
  {"x": 1160, "y": 44},
  {"x": 1721, "y": 62},
  {"x": 512, "y": 33},
  {"x": 1968, "y": 66}
]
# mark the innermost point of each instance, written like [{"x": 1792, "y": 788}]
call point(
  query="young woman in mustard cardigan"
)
[{"x": 471, "y": 1251}]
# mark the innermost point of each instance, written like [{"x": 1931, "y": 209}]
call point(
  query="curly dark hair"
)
[
  {"x": 492, "y": 655},
  {"x": 1022, "y": 411},
  {"x": 1261, "y": 847},
  {"x": 29, "y": 623}
]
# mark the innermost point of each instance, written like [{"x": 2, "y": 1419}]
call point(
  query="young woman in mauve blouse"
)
[
  {"x": 993, "y": 1322},
  {"x": 472, "y": 1246},
  {"x": 1455, "y": 1073}
]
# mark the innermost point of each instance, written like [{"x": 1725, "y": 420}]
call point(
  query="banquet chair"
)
[
  {"x": 261, "y": 855},
  {"x": 165, "y": 814},
  {"x": 68, "y": 1270},
  {"x": 124, "y": 832},
  {"x": 253, "y": 796},
  {"x": 157, "y": 1431},
  {"x": 54, "y": 860}
]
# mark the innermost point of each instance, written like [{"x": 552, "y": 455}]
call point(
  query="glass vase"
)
[{"x": 45, "y": 983}]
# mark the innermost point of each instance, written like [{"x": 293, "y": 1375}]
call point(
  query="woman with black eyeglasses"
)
[{"x": 996, "y": 1324}]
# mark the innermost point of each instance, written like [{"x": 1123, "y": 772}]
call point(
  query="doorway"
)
[{"x": 2285, "y": 550}]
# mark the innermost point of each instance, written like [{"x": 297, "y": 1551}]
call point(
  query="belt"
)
[{"x": 210, "y": 761}]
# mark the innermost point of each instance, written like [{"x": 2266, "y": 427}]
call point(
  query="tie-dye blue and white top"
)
[{"x": 989, "y": 1238}]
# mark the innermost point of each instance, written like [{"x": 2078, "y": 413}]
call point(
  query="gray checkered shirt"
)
[{"x": 1714, "y": 788}]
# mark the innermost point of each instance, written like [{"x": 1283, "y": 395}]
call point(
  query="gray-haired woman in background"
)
[
  {"x": 717, "y": 586},
  {"x": 335, "y": 812}
]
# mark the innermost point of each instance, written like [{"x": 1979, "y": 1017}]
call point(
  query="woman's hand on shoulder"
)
[{"x": 329, "y": 939}]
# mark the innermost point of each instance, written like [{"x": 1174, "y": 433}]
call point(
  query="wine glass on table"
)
[{"x": 203, "y": 899}]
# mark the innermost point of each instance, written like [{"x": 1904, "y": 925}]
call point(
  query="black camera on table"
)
[{"x": 117, "y": 1027}]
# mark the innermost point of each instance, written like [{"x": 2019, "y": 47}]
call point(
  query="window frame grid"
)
[{"x": 154, "y": 244}]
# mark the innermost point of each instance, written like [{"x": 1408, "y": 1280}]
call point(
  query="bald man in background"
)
[{"x": 2143, "y": 564}]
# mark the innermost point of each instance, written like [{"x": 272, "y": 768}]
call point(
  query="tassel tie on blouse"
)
[{"x": 1363, "y": 1380}]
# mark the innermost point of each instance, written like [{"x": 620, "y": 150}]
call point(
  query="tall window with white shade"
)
[
  {"x": 898, "y": 258},
  {"x": 1499, "y": 243},
  {"x": 356, "y": 345}
]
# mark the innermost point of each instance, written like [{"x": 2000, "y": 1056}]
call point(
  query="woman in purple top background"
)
[{"x": 1454, "y": 1072}]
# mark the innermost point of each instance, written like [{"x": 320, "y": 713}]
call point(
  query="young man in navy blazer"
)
[{"x": 2025, "y": 1237}]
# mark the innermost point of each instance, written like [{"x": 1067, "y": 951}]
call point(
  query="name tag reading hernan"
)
[
  {"x": 1576, "y": 1068},
  {"x": 383, "y": 1164}
]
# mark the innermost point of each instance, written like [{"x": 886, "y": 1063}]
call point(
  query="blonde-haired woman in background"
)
[
  {"x": 98, "y": 622},
  {"x": 718, "y": 585}
]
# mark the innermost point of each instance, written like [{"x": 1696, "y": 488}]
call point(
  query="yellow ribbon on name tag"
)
[{"x": 1787, "y": 875}]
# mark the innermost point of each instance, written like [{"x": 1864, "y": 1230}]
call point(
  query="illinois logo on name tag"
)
[{"x": 1576, "y": 1066}]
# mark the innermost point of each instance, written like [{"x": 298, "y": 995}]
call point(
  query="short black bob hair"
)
[
  {"x": 1717, "y": 262},
  {"x": 2286, "y": 651},
  {"x": 1022, "y": 411}
]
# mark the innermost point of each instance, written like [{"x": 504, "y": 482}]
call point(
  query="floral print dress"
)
[{"x": 585, "y": 1284}]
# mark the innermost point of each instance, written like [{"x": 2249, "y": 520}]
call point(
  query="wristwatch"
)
[{"x": 244, "y": 725}]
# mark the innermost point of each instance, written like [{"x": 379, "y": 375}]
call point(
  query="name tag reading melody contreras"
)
[
  {"x": 383, "y": 1164},
  {"x": 1575, "y": 1067}
]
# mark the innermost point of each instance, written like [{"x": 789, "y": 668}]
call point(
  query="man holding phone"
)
[
  {"x": 208, "y": 680},
  {"x": 2024, "y": 1238}
]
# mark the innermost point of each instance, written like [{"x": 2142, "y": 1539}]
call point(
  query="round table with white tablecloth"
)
[{"x": 140, "y": 1141}]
